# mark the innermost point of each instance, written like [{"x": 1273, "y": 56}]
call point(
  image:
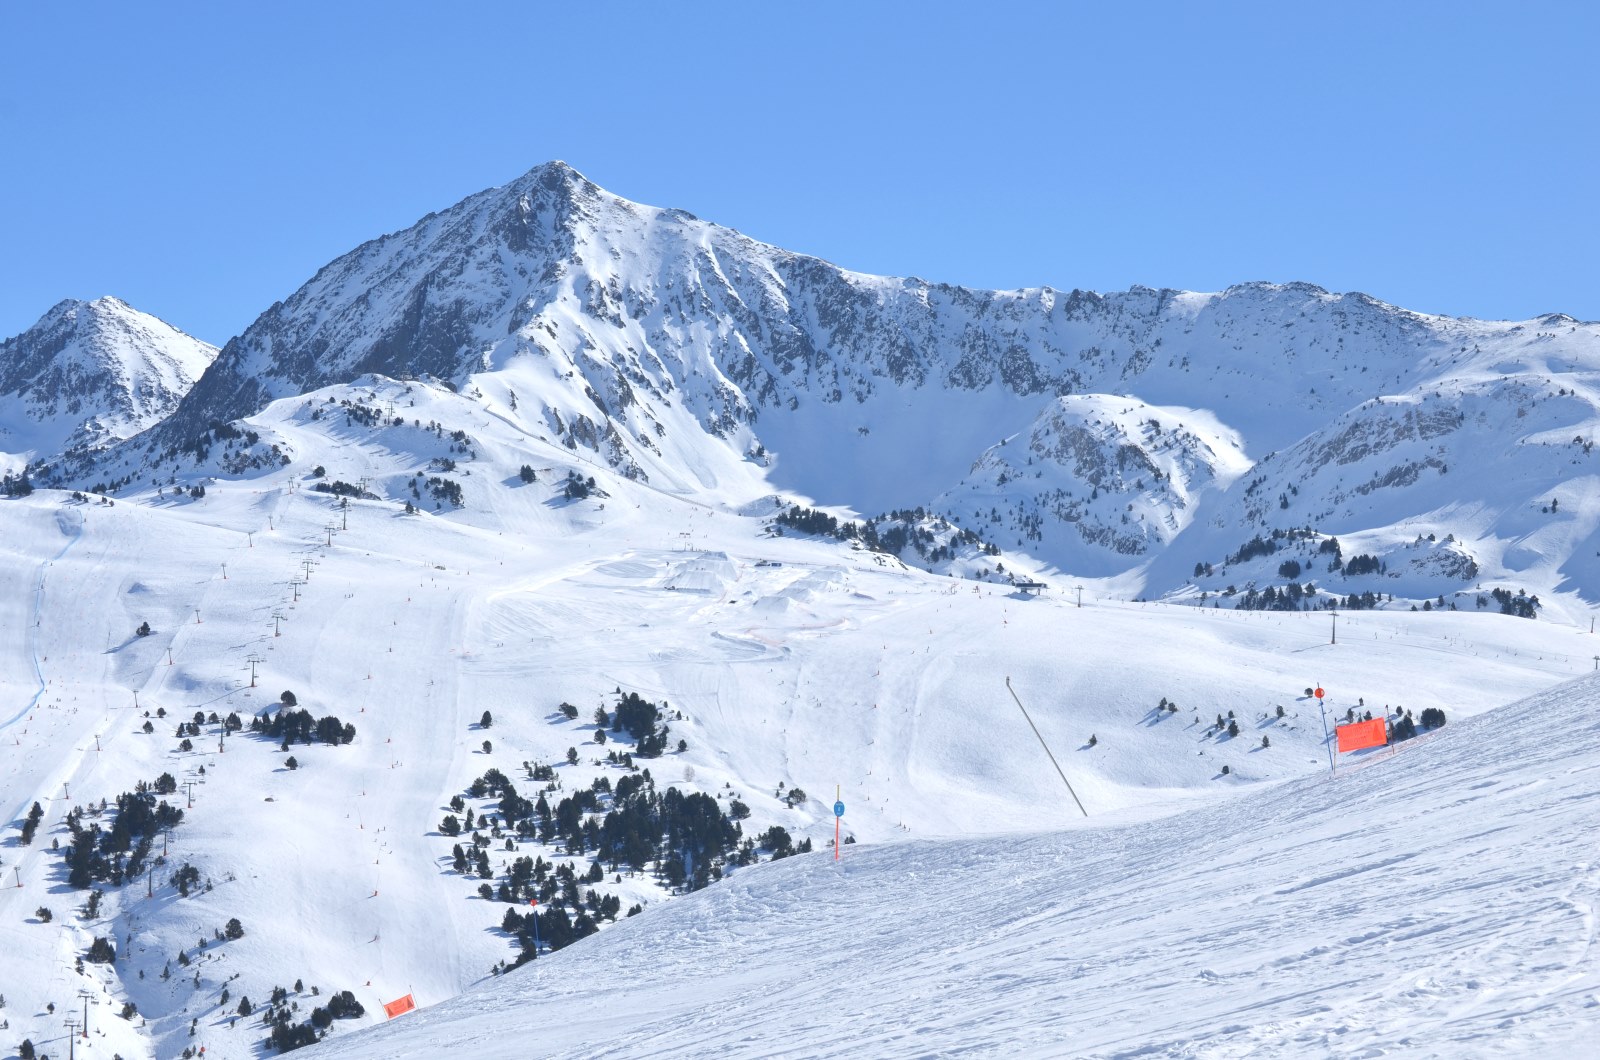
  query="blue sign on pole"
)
[{"x": 838, "y": 809}]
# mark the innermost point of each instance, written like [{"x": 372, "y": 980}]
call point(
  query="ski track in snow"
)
[{"x": 34, "y": 650}]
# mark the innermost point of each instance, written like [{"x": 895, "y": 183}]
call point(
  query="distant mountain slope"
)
[
  {"x": 1098, "y": 470},
  {"x": 631, "y": 310},
  {"x": 92, "y": 373},
  {"x": 704, "y": 362}
]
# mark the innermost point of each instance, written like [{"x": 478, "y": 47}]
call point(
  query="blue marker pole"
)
[{"x": 838, "y": 815}]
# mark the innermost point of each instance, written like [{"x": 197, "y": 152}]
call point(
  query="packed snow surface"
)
[{"x": 1434, "y": 900}]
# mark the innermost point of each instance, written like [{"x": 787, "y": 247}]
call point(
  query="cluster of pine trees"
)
[
  {"x": 117, "y": 853},
  {"x": 1292, "y": 597},
  {"x": 340, "y": 488},
  {"x": 299, "y": 726},
  {"x": 285, "y": 1034},
  {"x": 1266, "y": 545},
  {"x": 1520, "y": 605},
  {"x": 445, "y": 490},
  {"x": 1367, "y": 601},
  {"x": 30, "y": 824},
  {"x": 933, "y": 538},
  {"x": 685, "y": 838},
  {"x": 1363, "y": 563},
  {"x": 639, "y": 718},
  {"x": 578, "y": 488}
]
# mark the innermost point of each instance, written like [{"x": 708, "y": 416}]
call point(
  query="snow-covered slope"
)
[
  {"x": 1438, "y": 901},
  {"x": 1104, "y": 479},
  {"x": 89, "y": 374},
  {"x": 690, "y": 356},
  {"x": 478, "y": 483},
  {"x": 784, "y": 662}
]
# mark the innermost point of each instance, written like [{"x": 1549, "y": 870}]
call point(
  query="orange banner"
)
[
  {"x": 1374, "y": 733},
  {"x": 399, "y": 1005}
]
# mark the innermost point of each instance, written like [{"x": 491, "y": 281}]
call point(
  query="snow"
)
[
  {"x": 1225, "y": 896},
  {"x": 1435, "y": 900},
  {"x": 89, "y": 374},
  {"x": 792, "y": 660}
]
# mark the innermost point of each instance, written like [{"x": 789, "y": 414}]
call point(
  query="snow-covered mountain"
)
[
  {"x": 1109, "y": 479},
  {"x": 483, "y": 487},
  {"x": 1131, "y": 434},
  {"x": 89, "y": 374}
]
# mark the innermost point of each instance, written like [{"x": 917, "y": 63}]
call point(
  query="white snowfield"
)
[
  {"x": 794, "y": 663},
  {"x": 1437, "y": 900}
]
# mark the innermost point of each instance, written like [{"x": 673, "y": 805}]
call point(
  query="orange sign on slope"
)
[
  {"x": 1374, "y": 733},
  {"x": 399, "y": 1005}
]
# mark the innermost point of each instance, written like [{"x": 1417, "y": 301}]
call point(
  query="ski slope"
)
[
  {"x": 793, "y": 662},
  {"x": 1435, "y": 901}
]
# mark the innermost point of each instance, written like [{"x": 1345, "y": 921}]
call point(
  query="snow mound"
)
[{"x": 712, "y": 573}]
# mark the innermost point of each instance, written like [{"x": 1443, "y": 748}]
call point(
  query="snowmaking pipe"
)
[{"x": 1046, "y": 747}]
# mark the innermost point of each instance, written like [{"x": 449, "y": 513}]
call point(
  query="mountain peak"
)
[
  {"x": 91, "y": 373},
  {"x": 557, "y": 177},
  {"x": 109, "y": 303}
]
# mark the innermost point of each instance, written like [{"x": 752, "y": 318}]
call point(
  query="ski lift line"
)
[{"x": 1046, "y": 747}]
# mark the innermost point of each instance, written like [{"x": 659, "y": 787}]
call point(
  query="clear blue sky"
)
[{"x": 202, "y": 160}]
